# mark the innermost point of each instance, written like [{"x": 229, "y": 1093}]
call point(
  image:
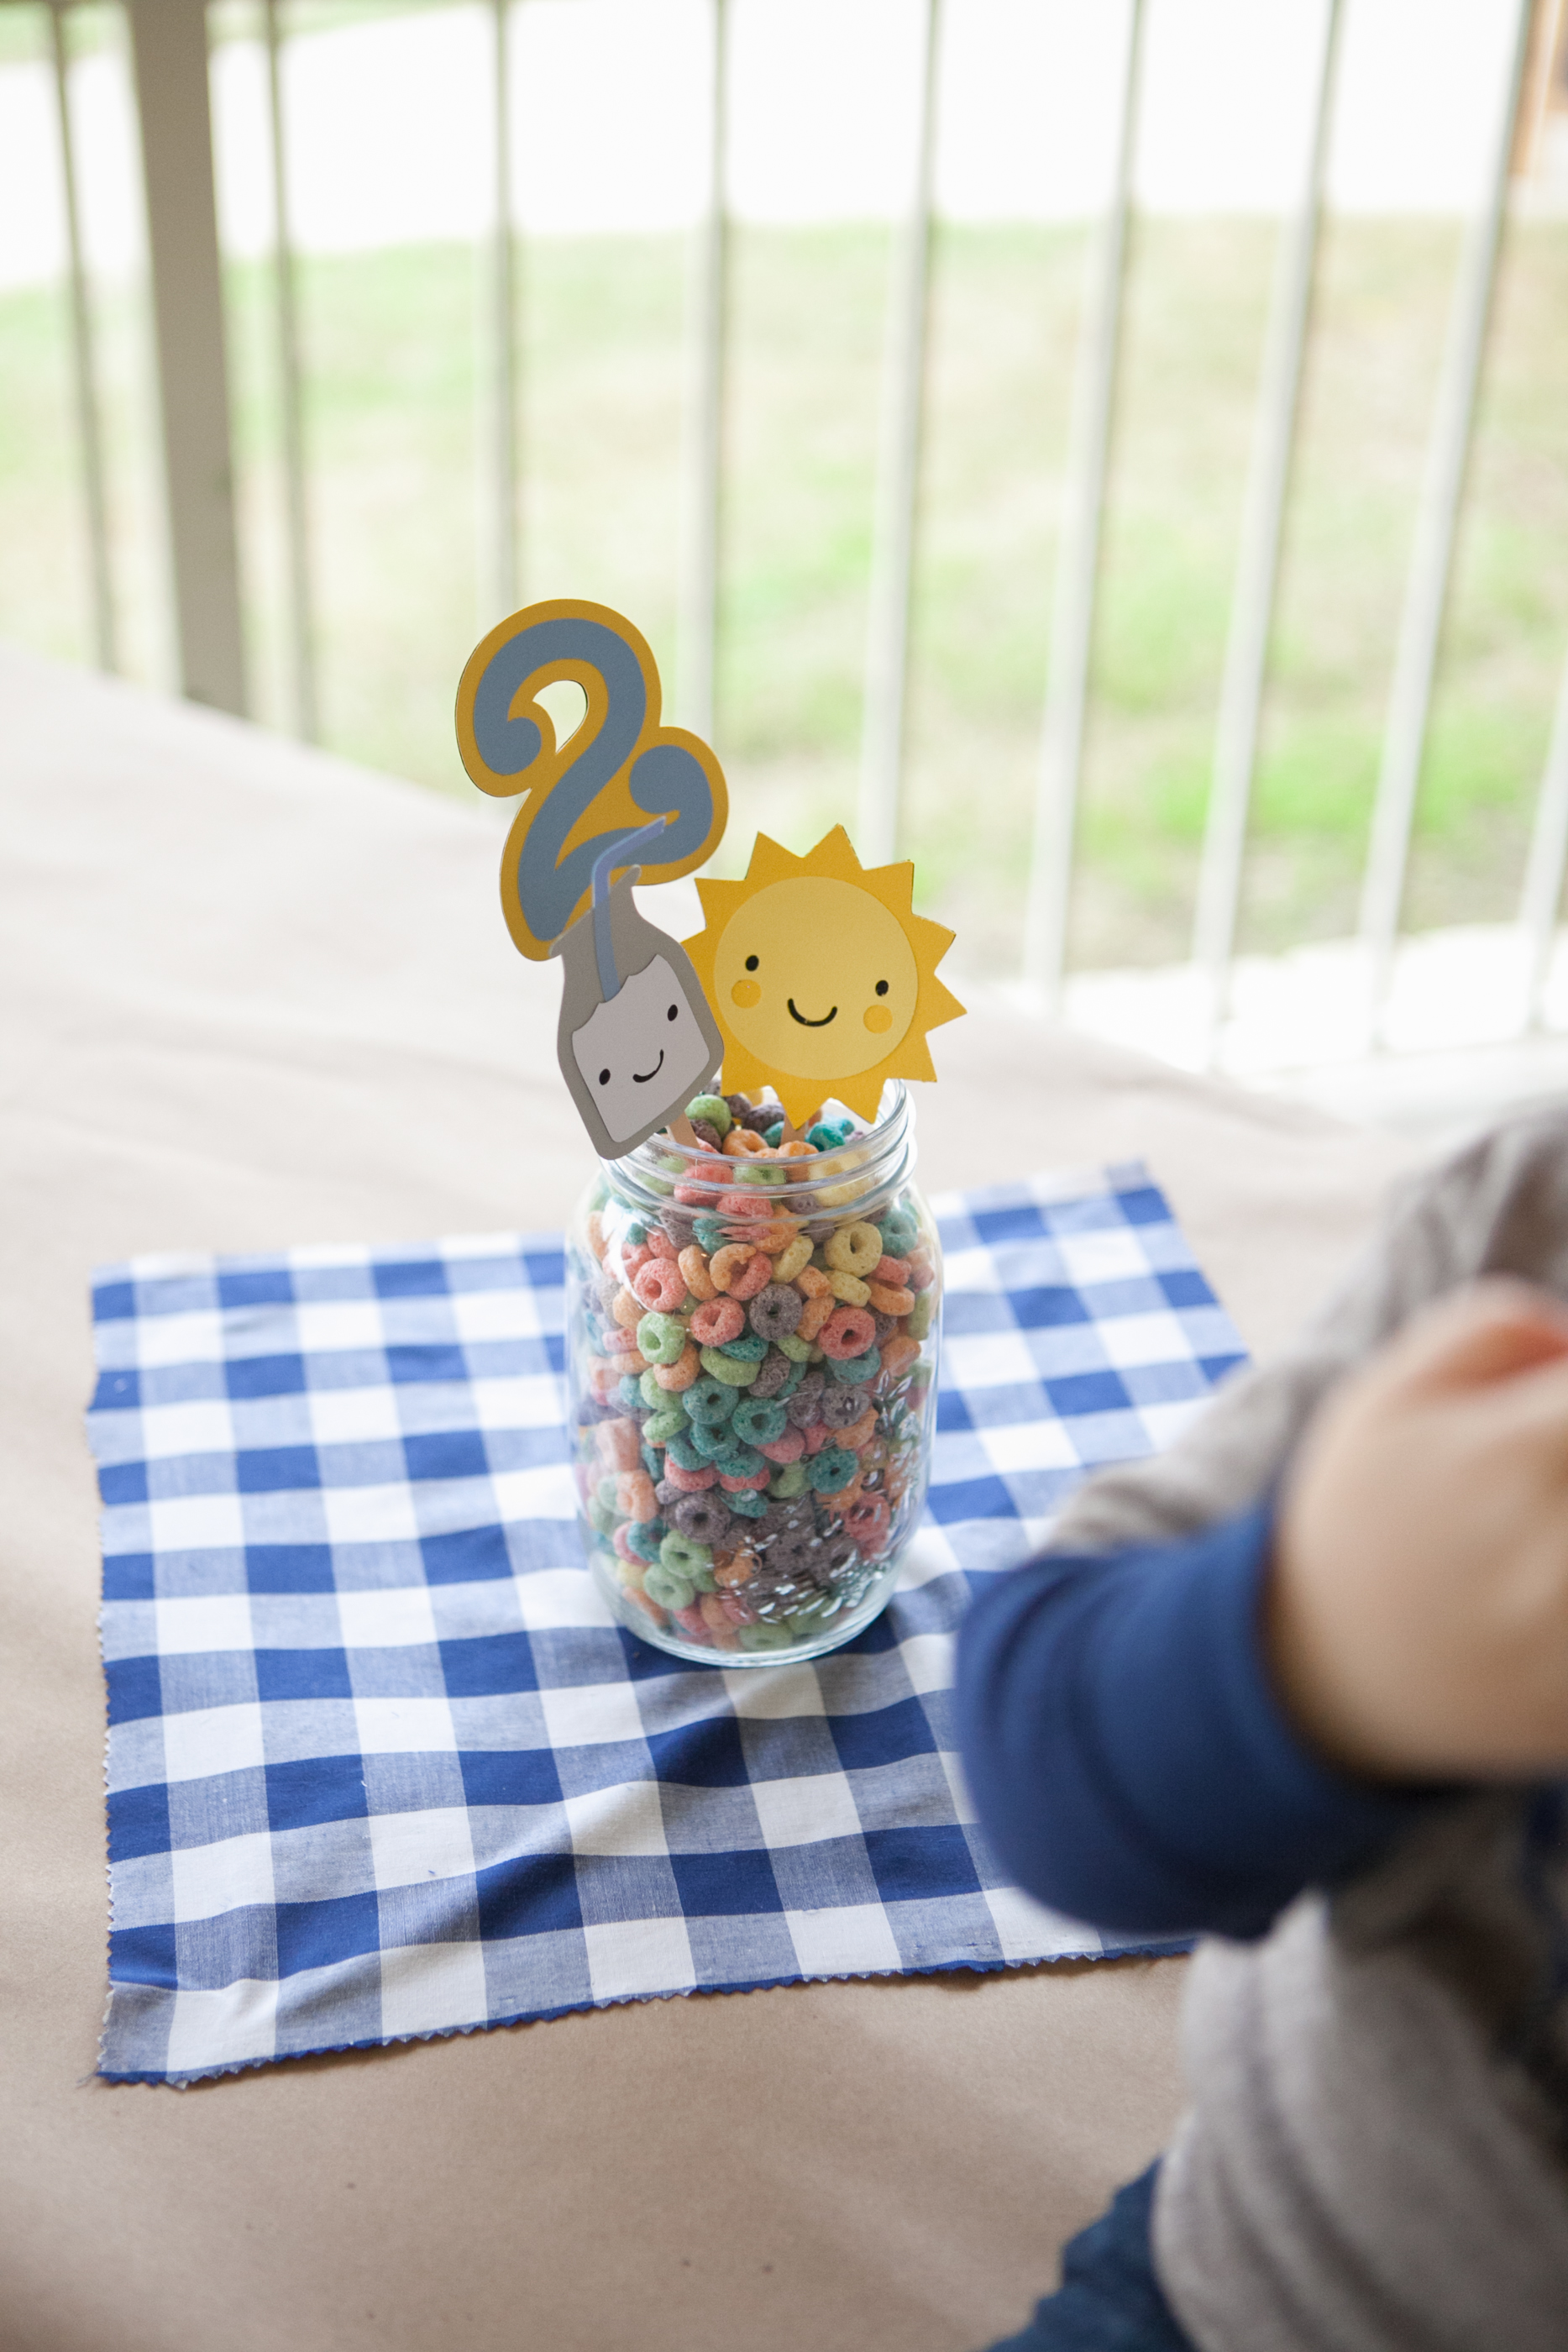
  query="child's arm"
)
[
  {"x": 1165, "y": 1737},
  {"x": 1125, "y": 1751}
]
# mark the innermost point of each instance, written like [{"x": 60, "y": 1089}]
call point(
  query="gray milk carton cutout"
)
[{"x": 636, "y": 1039}]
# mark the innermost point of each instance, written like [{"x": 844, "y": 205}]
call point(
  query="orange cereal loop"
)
[
  {"x": 897, "y": 1354},
  {"x": 628, "y": 1310},
  {"x": 775, "y": 1235},
  {"x": 682, "y": 1372},
  {"x": 618, "y": 1444},
  {"x": 594, "y": 1230},
  {"x": 634, "y": 1496},
  {"x": 796, "y": 1151},
  {"x": 890, "y": 1302},
  {"x": 725, "y": 1264},
  {"x": 738, "y": 1570},
  {"x": 693, "y": 1263},
  {"x": 815, "y": 1313},
  {"x": 635, "y": 1592},
  {"x": 813, "y": 1283},
  {"x": 860, "y": 1434},
  {"x": 715, "y": 1617},
  {"x": 740, "y": 1143}
]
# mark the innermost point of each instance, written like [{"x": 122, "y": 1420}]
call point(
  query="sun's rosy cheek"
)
[
  {"x": 746, "y": 993},
  {"x": 877, "y": 1019}
]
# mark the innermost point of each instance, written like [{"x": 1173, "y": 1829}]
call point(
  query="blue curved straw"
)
[{"x": 620, "y": 852}]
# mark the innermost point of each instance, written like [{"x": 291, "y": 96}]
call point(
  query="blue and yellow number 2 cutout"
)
[{"x": 617, "y": 772}]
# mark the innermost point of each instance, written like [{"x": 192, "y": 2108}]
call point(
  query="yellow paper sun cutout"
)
[{"x": 820, "y": 975}]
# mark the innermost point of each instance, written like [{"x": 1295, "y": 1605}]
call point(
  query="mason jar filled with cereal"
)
[{"x": 753, "y": 1321}]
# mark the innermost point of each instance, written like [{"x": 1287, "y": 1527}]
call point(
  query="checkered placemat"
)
[{"x": 381, "y": 1763}]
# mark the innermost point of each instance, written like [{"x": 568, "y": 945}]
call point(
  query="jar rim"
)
[{"x": 875, "y": 1161}]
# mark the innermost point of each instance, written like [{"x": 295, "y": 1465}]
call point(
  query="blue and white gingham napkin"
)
[{"x": 380, "y": 1764}]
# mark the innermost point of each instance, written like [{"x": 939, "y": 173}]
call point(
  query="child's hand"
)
[{"x": 1418, "y": 1613}]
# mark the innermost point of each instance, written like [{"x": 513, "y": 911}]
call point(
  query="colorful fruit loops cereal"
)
[{"x": 752, "y": 1342}]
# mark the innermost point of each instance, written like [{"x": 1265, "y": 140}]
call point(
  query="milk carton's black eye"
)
[
  {"x": 751, "y": 962},
  {"x": 674, "y": 1014},
  {"x": 604, "y": 1077},
  {"x": 881, "y": 988}
]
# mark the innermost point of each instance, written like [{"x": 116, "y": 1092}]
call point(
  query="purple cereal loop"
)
[
  {"x": 704, "y": 1518},
  {"x": 775, "y": 1310},
  {"x": 771, "y": 1373}
]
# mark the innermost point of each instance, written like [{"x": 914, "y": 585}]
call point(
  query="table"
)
[{"x": 255, "y": 997}]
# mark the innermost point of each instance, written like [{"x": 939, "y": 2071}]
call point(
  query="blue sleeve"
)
[{"x": 1127, "y": 1754}]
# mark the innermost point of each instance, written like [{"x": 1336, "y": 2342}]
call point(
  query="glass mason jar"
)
[{"x": 752, "y": 1337}]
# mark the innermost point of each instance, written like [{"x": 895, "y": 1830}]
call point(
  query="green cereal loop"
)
[
  {"x": 922, "y": 1314},
  {"x": 759, "y": 1419},
  {"x": 710, "y": 1401},
  {"x": 664, "y": 1586},
  {"x": 600, "y": 1519},
  {"x": 711, "y": 1438},
  {"x": 645, "y": 1539},
  {"x": 789, "y": 1482},
  {"x": 605, "y": 1491},
  {"x": 833, "y": 1467},
  {"x": 804, "y": 1623},
  {"x": 652, "y": 1394},
  {"x": 663, "y": 1426},
  {"x": 750, "y": 1504},
  {"x": 733, "y": 1372},
  {"x": 741, "y": 1462},
  {"x": 795, "y": 1347},
  {"x": 766, "y": 1637},
  {"x": 599, "y": 1194},
  {"x": 703, "y": 1580},
  {"x": 858, "y": 1368},
  {"x": 749, "y": 1349},
  {"x": 661, "y": 1338},
  {"x": 683, "y": 1557},
  {"x": 683, "y": 1454},
  {"x": 715, "y": 1110}
]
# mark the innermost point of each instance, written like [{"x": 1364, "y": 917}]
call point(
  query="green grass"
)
[{"x": 396, "y": 432}]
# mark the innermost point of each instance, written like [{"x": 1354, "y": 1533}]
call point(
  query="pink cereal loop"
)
[
  {"x": 849, "y": 1331},
  {"x": 622, "y": 1341},
  {"x": 632, "y": 1261},
  {"x": 754, "y": 1202},
  {"x": 616, "y": 1441},
  {"x": 816, "y": 1436},
  {"x": 661, "y": 1285},
  {"x": 691, "y": 1482},
  {"x": 788, "y": 1448},
  {"x": 661, "y": 1245},
  {"x": 755, "y": 1484},
  {"x": 893, "y": 1271},
  {"x": 720, "y": 1319}
]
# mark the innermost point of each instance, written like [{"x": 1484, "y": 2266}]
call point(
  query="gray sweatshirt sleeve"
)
[{"x": 1499, "y": 1206}]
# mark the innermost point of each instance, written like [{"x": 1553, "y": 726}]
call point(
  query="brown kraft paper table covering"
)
[{"x": 255, "y": 997}]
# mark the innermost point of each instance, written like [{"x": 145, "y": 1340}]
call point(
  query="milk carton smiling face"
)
[
  {"x": 641, "y": 1056},
  {"x": 636, "y": 1054}
]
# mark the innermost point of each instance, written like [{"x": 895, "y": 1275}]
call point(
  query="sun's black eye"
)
[
  {"x": 674, "y": 1014},
  {"x": 881, "y": 988},
  {"x": 604, "y": 1077},
  {"x": 751, "y": 962}
]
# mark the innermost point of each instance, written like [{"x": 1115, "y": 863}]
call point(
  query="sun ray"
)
[{"x": 820, "y": 975}]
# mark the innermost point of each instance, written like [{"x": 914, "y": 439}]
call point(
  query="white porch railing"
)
[{"x": 169, "y": 47}]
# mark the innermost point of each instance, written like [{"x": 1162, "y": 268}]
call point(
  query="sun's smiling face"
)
[
  {"x": 816, "y": 977},
  {"x": 820, "y": 975}
]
